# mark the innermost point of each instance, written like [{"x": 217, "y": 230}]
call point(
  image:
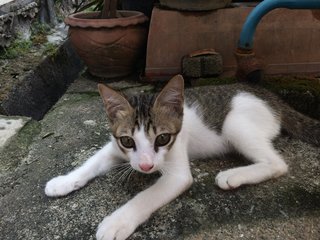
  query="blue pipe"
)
[{"x": 249, "y": 27}]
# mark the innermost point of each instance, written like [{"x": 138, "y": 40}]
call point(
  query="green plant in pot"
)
[{"x": 109, "y": 41}]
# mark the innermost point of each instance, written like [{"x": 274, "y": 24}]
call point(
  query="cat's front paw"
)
[
  {"x": 62, "y": 185},
  {"x": 229, "y": 179},
  {"x": 117, "y": 226}
]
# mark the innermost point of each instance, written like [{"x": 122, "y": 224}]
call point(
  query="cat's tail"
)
[{"x": 300, "y": 126}]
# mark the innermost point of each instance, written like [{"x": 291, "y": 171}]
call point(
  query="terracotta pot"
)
[{"x": 109, "y": 47}]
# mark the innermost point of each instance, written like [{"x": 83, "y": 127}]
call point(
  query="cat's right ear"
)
[
  {"x": 115, "y": 104},
  {"x": 172, "y": 95}
]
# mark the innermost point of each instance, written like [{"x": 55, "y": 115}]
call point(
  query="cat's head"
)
[{"x": 145, "y": 127}]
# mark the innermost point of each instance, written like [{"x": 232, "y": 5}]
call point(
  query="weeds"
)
[
  {"x": 20, "y": 46},
  {"x": 50, "y": 49},
  {"x": 39, "y": 32},
  {"x": 17, "y": 48}
]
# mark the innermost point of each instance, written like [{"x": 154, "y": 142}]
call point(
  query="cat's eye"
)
[
  {"x": 162, "y": 139},
  {"x": 127, "y": 142}
]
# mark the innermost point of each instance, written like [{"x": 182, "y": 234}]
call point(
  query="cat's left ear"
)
[
  {"x": 115, "y": 104},
  {"x": 172, "y": 95}
]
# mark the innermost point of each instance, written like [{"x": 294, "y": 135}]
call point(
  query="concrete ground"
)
[{"x": 284, "y": 208}]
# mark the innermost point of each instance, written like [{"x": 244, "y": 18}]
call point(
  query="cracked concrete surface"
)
[{"x": 76, "y": 127}]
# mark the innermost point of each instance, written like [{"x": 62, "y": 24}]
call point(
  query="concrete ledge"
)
[{"x": 43, "y": 85}]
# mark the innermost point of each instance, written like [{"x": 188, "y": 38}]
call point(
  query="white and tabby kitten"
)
[{"x": 160, "y": 133}]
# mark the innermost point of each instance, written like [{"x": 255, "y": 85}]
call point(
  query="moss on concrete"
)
[
  {"x": 297, "y": 83},
  {"x": 301, "y": 92},
  {"x": 18, "y": 146}
]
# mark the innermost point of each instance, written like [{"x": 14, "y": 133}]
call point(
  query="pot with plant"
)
[{"x": 109, "y": 41}]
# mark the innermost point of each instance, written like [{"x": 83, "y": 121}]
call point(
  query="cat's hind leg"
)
[
  {"x": 266, "y": 165},
  {"x": 250, "y": 128},
  {"x": 96, "y": 165}
]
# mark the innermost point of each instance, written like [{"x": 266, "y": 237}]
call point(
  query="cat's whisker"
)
[
  {"x": 127, "y": 178},
  {"x": 120, "y": 168},
  {"x": 166, "y": 172},
  {"x": 124, "y": 174},
  {"x": 161, "y": 171},
  {"x": 120, "y": 165},
  {"x": 119, "y": 175},
  {"x": 120, "y": 171},
  {"x": 131, "y": 173}
]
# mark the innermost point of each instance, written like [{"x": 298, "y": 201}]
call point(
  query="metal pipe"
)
[{"x": 246, "y": 37}]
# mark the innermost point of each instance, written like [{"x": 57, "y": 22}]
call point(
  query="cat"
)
[{"x": 160, "y": 133}]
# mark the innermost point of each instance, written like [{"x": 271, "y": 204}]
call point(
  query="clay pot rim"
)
[{"x": 87, "y": 19}]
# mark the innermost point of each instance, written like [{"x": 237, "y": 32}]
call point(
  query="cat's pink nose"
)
[{"x": 146, "y": 166}]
